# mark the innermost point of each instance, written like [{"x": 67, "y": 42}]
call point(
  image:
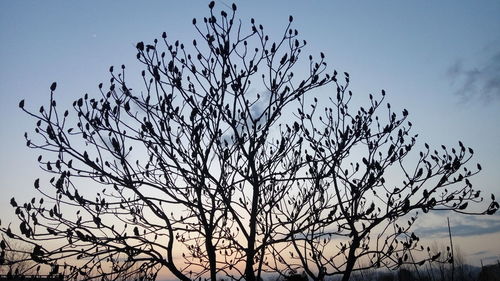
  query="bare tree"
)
[
  {"x": 15, "y": 258},
  {"x": 205, "y": 176}
]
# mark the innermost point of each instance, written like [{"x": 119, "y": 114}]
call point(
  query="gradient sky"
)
[{"x": 438, "y": 59}]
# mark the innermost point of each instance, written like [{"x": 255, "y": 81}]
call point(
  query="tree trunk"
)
[
  {"x": 351, "y": 260},
  {"x": 212, "y": 260},
  {"x": 249, "y": 274},
  {"x": 250, "y": 251}
]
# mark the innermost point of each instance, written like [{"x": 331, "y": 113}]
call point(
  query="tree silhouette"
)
[
  {"x": 15, "y": 258},
  {"x": 208, "y": 172}
]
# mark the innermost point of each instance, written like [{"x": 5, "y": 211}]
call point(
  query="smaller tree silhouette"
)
[
  {"x": 362, "y": 196},
  {"x": 15, "y": 258}
]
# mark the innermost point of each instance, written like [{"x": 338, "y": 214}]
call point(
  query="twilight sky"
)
[{"x": 438, "y": 59}]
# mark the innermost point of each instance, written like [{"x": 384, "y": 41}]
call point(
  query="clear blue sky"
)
[{"x": 438, "y": 59}]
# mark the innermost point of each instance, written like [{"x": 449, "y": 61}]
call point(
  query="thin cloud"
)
[
  {"x": 478, "y": 82},
  {"x": 469, "y": 226},
  {"x": 490, "y": 259},
  {"x": 480, "y": 253}
]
